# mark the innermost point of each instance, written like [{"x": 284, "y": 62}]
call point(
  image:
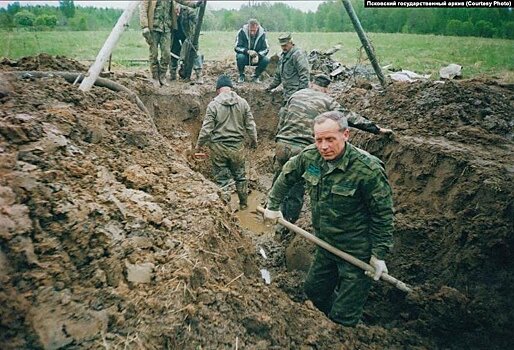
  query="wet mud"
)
[{"x": 113, "y": 236}]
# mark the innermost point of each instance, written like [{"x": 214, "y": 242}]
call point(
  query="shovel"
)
[{"x": 345, "y": 256}]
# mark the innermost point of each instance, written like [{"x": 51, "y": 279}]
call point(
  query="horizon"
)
[{"x": 303, "y": 5}]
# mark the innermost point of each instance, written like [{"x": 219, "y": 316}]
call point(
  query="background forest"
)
[{"x": 329, "y": 17}]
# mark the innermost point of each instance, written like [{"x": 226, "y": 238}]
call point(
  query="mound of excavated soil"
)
[
  {"x": 109, "y": 239},
  {"x": 43, "y": 62},
  {"x": 112, "y": 238}
]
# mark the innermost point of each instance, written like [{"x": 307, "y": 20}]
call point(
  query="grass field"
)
[{"x": 419, "y": 53}]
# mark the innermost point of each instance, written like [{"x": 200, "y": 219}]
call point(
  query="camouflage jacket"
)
[
  {"x": 186, "y": 22},
  {"x": 159, "y": 15},
  {"x": 227, "y": 120},
  {"x": 293, "y": 71},
  {"x": 295, "y": 124},
  {"x": 351, "y": 200}
]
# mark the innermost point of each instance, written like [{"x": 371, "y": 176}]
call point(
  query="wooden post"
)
[
  {"x": 110, "y": 43},
  {"x": 364, "y": 40}
]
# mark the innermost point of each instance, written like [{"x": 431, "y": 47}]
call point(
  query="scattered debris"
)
[
  {"x": 451, "y": 71},
  {"x": 408, "y": 76}
]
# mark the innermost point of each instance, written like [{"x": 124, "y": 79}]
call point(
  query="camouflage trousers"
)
[
  {"x": 292, "y": 204},
  {"x": 160, "y": 41},
  {"x": 229, "y": 162},
  {"x": 337, "y": 288}
]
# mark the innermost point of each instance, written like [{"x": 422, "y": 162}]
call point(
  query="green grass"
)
[{"x": 419, "y": 53}]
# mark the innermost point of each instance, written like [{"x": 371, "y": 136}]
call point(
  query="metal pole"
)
[
  {"x": 110, "y": 43},
  {"x": 345, "y": 256},
  {"x": 364, "y": 40}
]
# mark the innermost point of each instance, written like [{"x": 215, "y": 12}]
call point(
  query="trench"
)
[{"x": 453, "y": 219}]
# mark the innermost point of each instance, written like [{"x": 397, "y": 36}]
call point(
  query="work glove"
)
[
  {"x": 272, "y": 215},
  {"x": 379, "y": 266},
  {"x": 252, "y": 53},
  {"x": 147, "y": 35},
  {"x": 199, "y": 3}
]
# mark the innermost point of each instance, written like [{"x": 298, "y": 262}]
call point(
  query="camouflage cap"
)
[
  {"x": 322, "y": 80},
  {"x": 284, "y": 38}
]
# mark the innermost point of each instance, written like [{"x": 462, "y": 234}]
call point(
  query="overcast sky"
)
[{"x": 213, "y": 4}]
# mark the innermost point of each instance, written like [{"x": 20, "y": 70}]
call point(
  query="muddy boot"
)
[
  {"x": 162, "y": 78},
  {"x": 198, "y": 76},
  {"x": 155, "y": 80},
  {"x": 173, "y": 74},
  {"x": 242, "y": 193},
  {"x": 241, "y": 78}
]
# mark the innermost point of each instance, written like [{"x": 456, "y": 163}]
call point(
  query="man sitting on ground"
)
[{"x": 251, "y": 49}]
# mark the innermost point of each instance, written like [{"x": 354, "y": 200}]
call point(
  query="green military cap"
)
[
  {"x": 322, "y": 80},
  {"x": 284, "y": 38}
]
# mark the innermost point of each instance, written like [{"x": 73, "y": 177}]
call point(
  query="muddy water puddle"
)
[{"x": 249, "y": 218}]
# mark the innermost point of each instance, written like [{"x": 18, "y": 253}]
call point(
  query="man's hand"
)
[
  {"x": 384, "y": 131},
  {"x": 199, "y": 3},
  {"x": 252, "y": 53},
  {"x": 379, "y": 266},
  {"x": 272, "y": 215},
  {"x": 147, "y": 35},
  {"x": 253, "y": 144}
]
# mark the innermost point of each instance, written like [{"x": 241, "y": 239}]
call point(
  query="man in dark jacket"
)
[{"x": 251, "y": 49}]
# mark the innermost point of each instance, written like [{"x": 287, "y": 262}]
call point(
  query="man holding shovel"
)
[
  {"x": 294, "y": 133},
  {"x": 352, "y": 210}
]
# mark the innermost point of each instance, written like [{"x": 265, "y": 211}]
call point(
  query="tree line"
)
[{"x": 329, "y": 17}]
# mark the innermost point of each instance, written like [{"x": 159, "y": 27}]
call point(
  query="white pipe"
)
[{"x": 110, "y": 43}]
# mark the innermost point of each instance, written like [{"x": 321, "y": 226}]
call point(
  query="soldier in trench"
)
[
  {"x": 294, "y": 133},
  {"x": 293, "y": 70},
  {"x": 158, "y": 19},
  {"x": 352, "y": 210},
  {"x": 227, "y": 120}
]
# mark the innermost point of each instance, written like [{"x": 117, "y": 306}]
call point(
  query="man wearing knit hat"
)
[
  {"x": 293, "y": 68},
  {"x": 227, "y": 120},
  {"x": 294, "y": 133}
]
